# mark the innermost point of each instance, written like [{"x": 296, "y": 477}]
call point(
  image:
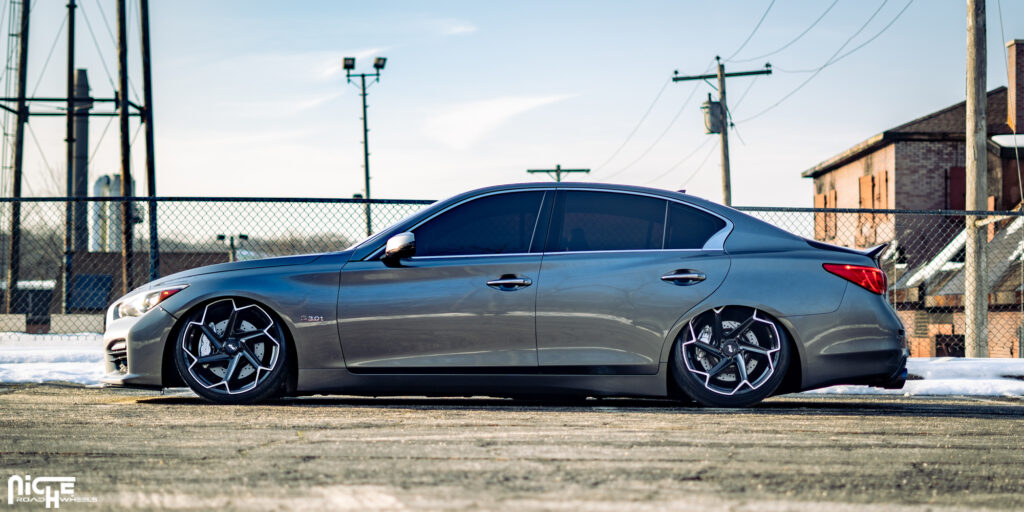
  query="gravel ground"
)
[{"x": 143, "y": 450}]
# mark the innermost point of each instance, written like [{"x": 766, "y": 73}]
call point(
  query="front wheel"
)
[
  {"x": 232, "y": 352},
  {"x": 730, "y": 357}
]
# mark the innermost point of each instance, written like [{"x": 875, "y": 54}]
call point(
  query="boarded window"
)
[
  {"x": 882, "y": 190},
  {"x": 819, "y": 217},
  {"x": 830, "y": 218},
  {"x": 956, "y": 186}
]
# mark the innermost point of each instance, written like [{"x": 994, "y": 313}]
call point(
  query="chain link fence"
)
[
  {"x": 54, "y": 292},
  {"x": 46, "y": 290}
]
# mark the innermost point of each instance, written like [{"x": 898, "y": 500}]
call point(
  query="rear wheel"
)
[
  {"x": 730, "y": 357},
  {"x": 232, "y": 352}
]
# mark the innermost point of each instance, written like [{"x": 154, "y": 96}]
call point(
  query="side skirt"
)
[{"x": 343, "y": 381}]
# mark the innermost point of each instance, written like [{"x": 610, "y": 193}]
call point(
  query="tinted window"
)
[
  {"x": 690, "y": 228},
  {"x": 605, "y": 221},
  {"x": 498, "y": 224}
]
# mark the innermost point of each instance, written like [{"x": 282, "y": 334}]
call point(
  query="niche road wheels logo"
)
[{"x": 51, "y": 490}]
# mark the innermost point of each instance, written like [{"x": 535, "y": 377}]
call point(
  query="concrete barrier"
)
[
  {"x": 71, "y": 324},
  {"x": 13, "y": 323}
]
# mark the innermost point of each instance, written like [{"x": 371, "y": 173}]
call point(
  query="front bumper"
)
[{"x": 134, "y": 349}]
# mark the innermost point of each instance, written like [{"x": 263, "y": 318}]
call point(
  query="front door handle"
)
[
  {"x": 509, "y": 282},
  {"x": 684, "y": 277}
]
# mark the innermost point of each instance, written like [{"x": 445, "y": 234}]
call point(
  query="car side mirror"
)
[{"x": 402, "y": 245}]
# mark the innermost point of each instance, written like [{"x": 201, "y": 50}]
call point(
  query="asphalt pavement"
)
[{"x": 146, "y": 450}]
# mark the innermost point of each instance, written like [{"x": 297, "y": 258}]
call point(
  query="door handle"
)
[
  {"x": 509, "y": 282},
  {"x": 684, "y": 277}
]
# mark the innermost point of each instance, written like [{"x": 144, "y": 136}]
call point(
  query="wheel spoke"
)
[
  {"x": 232, "y": 320},
  {"x": 212, "y": 358},
  {"x": 250, "y": 356},
  {"x": 741, "y": 329},
  {"x": 716, "y": 328},
  {"x": 212, "y": 336},
  {"x": 747, "y": 347},
  {"x": 723, "y": 363},
  {"x": 232, "y": 368},
  {"x": 741, "y": 367},
  {"x": 709, "y": 349}
]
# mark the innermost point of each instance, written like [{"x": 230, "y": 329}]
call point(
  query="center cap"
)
[
  {"x": 231, "y": 346},
  {"x": 730, "y": 348}
]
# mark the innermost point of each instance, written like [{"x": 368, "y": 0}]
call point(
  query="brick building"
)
[{"x": 920, "y": 165}]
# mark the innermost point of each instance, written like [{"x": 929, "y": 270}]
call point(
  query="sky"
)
[{"x": 250, "y": 98}]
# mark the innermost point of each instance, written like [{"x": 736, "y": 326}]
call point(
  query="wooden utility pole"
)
[
  {"x": 722, "y": 111},
  {"x": 975, "y": 263},
  {"x": 557, "y": 172},
  {"x": 14, "y": 242},
  {"x": 147, "y": 118},
  {"x": 126, "y": 175}
]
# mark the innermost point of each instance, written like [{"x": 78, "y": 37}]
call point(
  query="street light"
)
[
  {"x": 349, "y": 64},
  {"x": 231, "y": 244}
]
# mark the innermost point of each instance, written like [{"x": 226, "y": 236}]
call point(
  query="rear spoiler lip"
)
[{"x": 874, "y": 252}]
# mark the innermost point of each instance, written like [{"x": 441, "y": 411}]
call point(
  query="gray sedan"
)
[{"x": 565, "y": 289}]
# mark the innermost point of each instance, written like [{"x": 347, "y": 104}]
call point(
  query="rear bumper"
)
[{"x": 863, "y": 342}]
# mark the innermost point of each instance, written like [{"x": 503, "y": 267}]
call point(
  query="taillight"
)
[{"x": 871, "y": 279}]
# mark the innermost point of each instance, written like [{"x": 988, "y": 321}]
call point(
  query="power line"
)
[
  {"x": 827, "y": 63},
  {"x": 862, "y": 45},
  {"x": 102, "y": 134},
  {"x": 683, "y": 160},
  {"x": 797, "y": 38},
  {"x": 96, "y": 43},
  {"x": 759, "y": 22},
  {"x": 637, "y": 127},
  {"x": 701, "y": 165},
  {"x": 1016, "y": 145},
  {"x": 56, "y": 39},
  {"x": 664, "y": 132}
]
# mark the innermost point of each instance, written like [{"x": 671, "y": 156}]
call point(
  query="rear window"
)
[
  {"x": 606, "y": 221},
  {"x": 690, "y": 228}
]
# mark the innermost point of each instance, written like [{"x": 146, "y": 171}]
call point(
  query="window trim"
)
[{"x": 715, "y": 243}]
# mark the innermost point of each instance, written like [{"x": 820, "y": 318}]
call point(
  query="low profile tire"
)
[
  {"x": 730, "y": 357},
  {"x": 232, "y": 351}
]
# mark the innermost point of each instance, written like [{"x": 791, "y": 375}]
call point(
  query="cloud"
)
[
  {"x": 457, "y": 28},
  {"x": 462, "y": 125}
]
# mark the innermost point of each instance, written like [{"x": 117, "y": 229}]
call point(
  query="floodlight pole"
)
[
  {"x": 723, "y": 113},
  {"x": 366, "y": 139}
]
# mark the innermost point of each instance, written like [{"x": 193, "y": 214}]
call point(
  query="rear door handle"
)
[
  {"x": 684, "y": 277},
  {"x": 509, "y": 282}
]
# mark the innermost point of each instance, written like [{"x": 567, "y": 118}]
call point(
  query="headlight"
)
[{"x": 141, "y": 303}]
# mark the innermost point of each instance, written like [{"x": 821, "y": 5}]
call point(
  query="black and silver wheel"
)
[
  {"x": 232, "y": 352},
  {"x": 730, "y": 357}
]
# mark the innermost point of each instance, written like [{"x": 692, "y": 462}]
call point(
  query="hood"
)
[{"x": 282, "y": 261}]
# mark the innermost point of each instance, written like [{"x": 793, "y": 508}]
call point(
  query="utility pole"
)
[
  {"x": 976, "y": 261},
  {"x": 69, "y": 218},
  {"x": 127, "y": 221},
  {"x": 147, "y": 118},
  {"x": 720, "y": 114},
  {"x": 349, "y": 64},
  {"x": 14, "y": 243},
  {"x": 557, "y": 172}
]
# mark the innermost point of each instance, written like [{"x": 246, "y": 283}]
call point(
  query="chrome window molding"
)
[{"x": 715, "y": 243}]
